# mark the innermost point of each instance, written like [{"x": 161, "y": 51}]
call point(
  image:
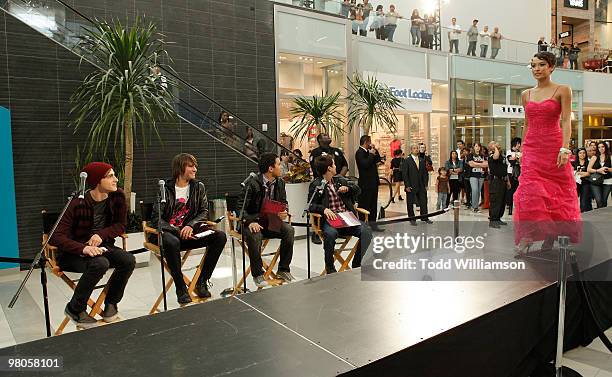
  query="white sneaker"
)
[{"x": 260, "y": 282}]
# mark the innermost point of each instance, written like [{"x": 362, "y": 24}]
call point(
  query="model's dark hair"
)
[
  {"x": 266, "y": 161},
  {"x": 397, "y": 152},
  {"x": 450, "y": 157},
  {"x": 547, "y": 56}
]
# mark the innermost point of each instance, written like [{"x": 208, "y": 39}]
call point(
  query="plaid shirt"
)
[{"x": 335, "y": 203}]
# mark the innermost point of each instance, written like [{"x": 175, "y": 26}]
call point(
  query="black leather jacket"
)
[
  {"x": 321, "y": 199},
  {"x": 197, "y": 202},
  {"x": 255, "y": 198}
]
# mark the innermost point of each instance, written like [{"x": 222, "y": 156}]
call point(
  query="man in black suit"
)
[
  {"x": 415, "y": 175},
  {"x": 368, "y": 158}
]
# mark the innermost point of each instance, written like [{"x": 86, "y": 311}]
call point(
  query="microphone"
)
[
  {"x": 247, "y": 179},
  {"x": 83, "y": 177},
  {"x": 321, "y": 187},
  {"x": 162, "y": 190}
]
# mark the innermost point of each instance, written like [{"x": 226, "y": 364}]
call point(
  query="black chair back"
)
[
  {"x": 146, "y": 210},
  {"x": 48, "y": 220},
  {"x": 231, "y": 201}
]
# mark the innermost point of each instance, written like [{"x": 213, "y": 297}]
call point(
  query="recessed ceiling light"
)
[{"x": 319, "y": 62}]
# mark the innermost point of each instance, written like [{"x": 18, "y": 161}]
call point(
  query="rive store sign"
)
[{"x": 414, "y": 92}]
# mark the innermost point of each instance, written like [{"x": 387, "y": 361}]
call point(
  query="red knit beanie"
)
[{"x": 95, "y": 172}]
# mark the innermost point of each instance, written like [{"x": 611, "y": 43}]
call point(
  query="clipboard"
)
[{"x": 344, "y": 220}]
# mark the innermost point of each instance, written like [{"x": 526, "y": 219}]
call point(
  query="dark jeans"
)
[
  {"x": 454, "y": 44},
  {"x": 172, "y": 253},
  {"x": 419, "y": 198},
  {"x": 573, "y": 63},
  {"x": 467, "y": 187},
  {"x": 497, "y": 198},
  {"x": 471, "y": 48},
  {"x": 93, "y": 269},
  {"x": 514, "y": 182},
  {"x": 254, "y": 240},
  {"x": 584, "y": 193},
  {"x": 390, "y": 31},
  {"x": 483, "y": 50},
  {"x": 455, "y": 187},
  {"x": 380, "y": 33},
  {"x": 601, "y": 193},
  {"x": 330, "y": 235}
]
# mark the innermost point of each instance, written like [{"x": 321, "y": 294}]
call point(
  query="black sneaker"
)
[
  {"x": 493, "y": 224},
  {"x": 82, "y": 319},
  {"x": 400, "y": 198},
  {"x": 110, "y": 313},
  {"x": 182, "y": 296},
  {"x": 315, "y": 239},
  {"x": 201, "y": 289},
  {"x": 330, "y": 270},
  {"x": 500, "y": 222}
]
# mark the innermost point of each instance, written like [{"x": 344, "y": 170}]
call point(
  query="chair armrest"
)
[
  {"x": 363, "y": 211},
  {"x": 148, "y": 230},
  {"x": 316, "y": 215}
]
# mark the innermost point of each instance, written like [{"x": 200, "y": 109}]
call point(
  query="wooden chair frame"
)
[
  {"x": 268, "y": 267},
  {"x": 154, "y": 248},
  {"x": 51, "y": 257},
  {"x": 341, "y": 246}
]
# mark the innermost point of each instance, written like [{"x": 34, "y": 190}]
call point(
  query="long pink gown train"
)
[{"x": 545, "y": 203}]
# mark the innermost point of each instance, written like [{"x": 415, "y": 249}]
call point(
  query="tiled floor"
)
[{"x": 25, "y": 322}]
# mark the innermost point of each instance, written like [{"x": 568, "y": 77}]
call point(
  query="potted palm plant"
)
[
  {"x": 371, "y": 103},
  {"x": 317, "y": 114},
  {"x": 125, "y": 95}
]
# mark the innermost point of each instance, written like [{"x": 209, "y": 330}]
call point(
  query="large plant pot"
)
[
  {"x": 297, "y": 196},
  {"x": 135, "y": 241}
]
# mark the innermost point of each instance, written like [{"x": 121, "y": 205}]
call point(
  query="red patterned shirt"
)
[{"x": 335, "y": 202}]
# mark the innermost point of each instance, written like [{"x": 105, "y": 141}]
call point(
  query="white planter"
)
[
  {"x": 135, "y": 241},
  {"x": 297, "y": 196}
]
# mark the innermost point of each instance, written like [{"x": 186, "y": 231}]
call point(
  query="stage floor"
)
[{"x": 326, "y": 326}]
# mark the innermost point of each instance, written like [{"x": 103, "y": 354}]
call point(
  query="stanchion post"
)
[
  {"x": 562, "y": 284},
  {"x": 456, "y": 208}
]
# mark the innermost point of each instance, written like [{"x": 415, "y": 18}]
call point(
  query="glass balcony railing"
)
[
  {"x": 64, "y": 24},
  {"x": 511, "y": 50}
]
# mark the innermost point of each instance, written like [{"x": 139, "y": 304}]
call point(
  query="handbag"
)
[{"x": 596, "y": 179}]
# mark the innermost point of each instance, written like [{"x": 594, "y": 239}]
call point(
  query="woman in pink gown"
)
[{"x": 545, "y": 201}]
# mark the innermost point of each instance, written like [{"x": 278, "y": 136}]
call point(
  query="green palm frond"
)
[
  {"x": 323, "y": 112},
  {"x": 122, "y": 100},
  {"x": 371, "y": 102},
  {"x": 123, "y": 87}
]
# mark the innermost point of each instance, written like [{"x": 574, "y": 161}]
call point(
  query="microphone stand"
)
[
  {"x": 307, "y": 214},
  {"x": 40, "y": 260},
  {"x": 241, "y": 222},
  {"x": 160, "y": 234}
]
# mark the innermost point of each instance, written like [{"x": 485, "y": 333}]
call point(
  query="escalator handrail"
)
[{"x": 169, "y": 72}]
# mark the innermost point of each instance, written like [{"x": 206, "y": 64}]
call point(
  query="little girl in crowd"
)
[{"x": 442, "y": 187}]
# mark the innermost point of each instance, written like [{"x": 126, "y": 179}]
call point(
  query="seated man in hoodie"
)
[
  {"x": 336, "y": 196},
  {"x": 85, "y": 238}
]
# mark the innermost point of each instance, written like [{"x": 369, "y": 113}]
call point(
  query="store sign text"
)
[
  {"x": 418, "y": 95},
  {"x": 508, "y": 111}
]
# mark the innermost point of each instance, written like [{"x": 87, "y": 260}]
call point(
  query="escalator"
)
[{"x": 193, "y": 106}]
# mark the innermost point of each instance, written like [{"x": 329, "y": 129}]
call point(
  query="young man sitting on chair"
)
[
  {"x": 85, "y": 238},
  {"x": 338, "y": 195},
  {"x": 268, "y": 185},
  {"x": 186, "y": 208}
]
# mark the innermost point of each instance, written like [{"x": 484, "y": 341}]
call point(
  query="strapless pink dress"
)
[{"x": 545, "y": 203}]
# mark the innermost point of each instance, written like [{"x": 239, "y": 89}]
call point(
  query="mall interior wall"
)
[
  {"x": 229, "y": 55},
  {"x": 524, "y": 20}
]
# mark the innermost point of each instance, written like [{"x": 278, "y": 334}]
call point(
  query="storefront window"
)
[
  {"x": 484, "y": 98},
  {"x": 300, "y": 75},
  {"x": 464, "y": 97}
]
